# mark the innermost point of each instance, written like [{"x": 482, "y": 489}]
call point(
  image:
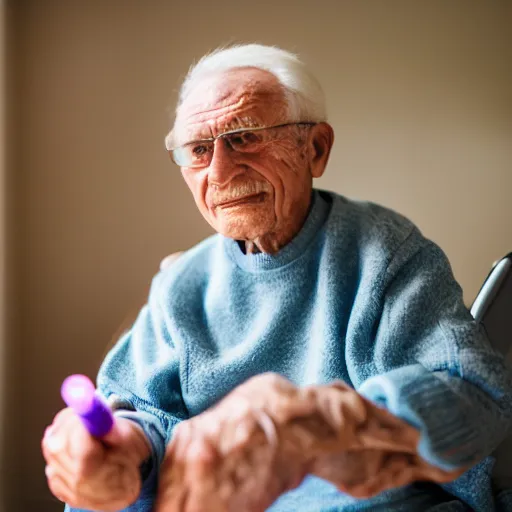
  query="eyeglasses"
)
[{"x": 199, "y": 153}]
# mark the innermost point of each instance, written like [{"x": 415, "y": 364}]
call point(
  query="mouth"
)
[{"x": 242, "y": 201}]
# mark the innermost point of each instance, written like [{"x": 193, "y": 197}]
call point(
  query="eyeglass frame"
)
[{"x": 232, "y": 132}]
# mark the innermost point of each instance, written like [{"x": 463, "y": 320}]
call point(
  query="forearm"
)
[{"x": 459, "y": 422}]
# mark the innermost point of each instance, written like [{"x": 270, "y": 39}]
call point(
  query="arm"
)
[
  {"x": 439, "y": 372},
  {"x": 141, "y": 376}
]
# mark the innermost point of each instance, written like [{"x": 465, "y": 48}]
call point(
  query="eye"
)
[
  {"x": 199, "y": 150},
  {"x": 244, "y": 140},
  {"x": 251, "y": 137}
]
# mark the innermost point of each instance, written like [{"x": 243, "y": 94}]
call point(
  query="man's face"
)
[{"x": 246, "y": 195}]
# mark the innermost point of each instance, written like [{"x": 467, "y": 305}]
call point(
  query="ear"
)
[{"x": 321, "y": 139}]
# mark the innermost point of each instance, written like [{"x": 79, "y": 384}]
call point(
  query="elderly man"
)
[{"x": 315, "y": 355}]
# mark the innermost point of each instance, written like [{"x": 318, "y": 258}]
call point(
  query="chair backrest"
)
[
  {"x": 493, "y": 310},
  {"x": 493, "y": 306}
]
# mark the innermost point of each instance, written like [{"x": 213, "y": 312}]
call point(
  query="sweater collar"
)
[{"x": 318, "y": 212}]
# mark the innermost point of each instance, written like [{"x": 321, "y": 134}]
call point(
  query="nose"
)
[{"x": 223, "y": 167}]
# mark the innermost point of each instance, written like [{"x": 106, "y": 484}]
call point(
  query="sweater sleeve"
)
[
  {"x": 142, "y": 373},
  {"x": 436, "y": 368}
]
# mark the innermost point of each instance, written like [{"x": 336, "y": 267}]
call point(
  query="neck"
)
[{"x": 271, "y": 243}]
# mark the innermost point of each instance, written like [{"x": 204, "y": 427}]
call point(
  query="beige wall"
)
[
  {"x": 9, "y": 337},
  {"x": 3, "y": 173},
  {"x": 420, "y": 100}
]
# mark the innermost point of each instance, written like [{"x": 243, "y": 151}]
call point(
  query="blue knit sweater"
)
[{"x": 359, "y": 295}]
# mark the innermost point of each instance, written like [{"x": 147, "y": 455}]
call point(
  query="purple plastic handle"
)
[{"x": 78, "y": 392}]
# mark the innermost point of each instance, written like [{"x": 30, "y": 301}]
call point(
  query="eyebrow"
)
[
  {"x": 237, "y": 124},
  {"x": 241, "y": 123}
]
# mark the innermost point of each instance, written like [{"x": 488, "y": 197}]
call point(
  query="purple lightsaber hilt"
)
[{"x": 78, "y": 392}]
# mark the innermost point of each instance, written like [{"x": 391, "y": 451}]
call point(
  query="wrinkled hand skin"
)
[
  {"x": 87, "y": 473},
  {"x": 263, "y": 438}
]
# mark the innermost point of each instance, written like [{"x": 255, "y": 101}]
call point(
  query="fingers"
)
[
  {"x": 57, "y": 486},
  {"x": 200, "y": 458},
  {"x": 187, "y": 473},
  {"x": 385, "y": 431},
  {"x": 179, "y": 445},
  {"x": 69, "y": 448},
  {"x": 84, "y": 472},
  {"x": 198, "y": 475},
  {"x": 191, "y": 449},
  {"x": 71, "y": 454}
]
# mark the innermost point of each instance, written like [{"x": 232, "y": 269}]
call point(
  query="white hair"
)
[{"x": 305, "y": 98}]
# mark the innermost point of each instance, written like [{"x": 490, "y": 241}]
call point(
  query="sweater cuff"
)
[
  {"x": 146, "y": 422},
  {"x": 423, "y": 399}
]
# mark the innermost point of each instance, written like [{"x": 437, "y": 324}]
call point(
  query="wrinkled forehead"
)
[{"x": 238, "y": 98}]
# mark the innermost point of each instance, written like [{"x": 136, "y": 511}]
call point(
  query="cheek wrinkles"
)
[
  {"x": 198, "y": 184},
  {"x": 286, "y": 153}
]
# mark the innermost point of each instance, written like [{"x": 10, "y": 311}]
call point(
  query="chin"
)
[{"x": 244, "y": 226}]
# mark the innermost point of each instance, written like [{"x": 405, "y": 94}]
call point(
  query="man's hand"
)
[
  {"x": 230, "y": 457},
  {"x": 266, "y": 435},
  {"x": 94, "y": 474}
]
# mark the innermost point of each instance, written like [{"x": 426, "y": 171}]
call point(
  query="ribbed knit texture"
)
[{"x": 359, "y": 295}]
